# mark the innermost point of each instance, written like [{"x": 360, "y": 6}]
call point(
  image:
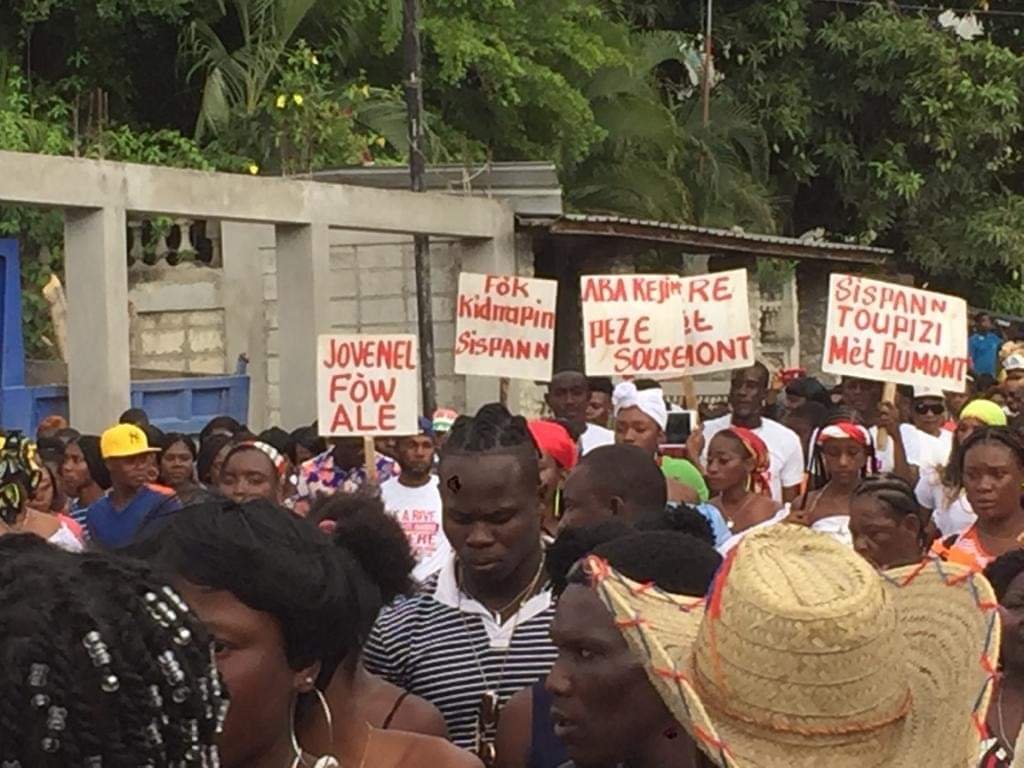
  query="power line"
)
[{"x": 928, "y": 8}]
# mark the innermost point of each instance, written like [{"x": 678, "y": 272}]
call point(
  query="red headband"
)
[{"x": 844, "y": 430}]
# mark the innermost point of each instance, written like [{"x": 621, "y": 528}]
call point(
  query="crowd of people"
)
[{"x": 811, "y": 576}]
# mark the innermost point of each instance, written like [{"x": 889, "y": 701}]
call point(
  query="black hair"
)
[
  {"x": 136, "y": 416},
  {"x": 225, "y": 423},
  {"x": 208, "y": 450},
  {"x": 813, "y": 412},
  {"x": 493, "y": 428},
  {"x": 601, "y": 384},
  {"x": 87, "y": 646},
  {"x": 1003, "y": 570},
  {"x": 276, "y": 437},
  {"x": 50, "y": 449},
  {"x": 628, "y": 472},
  {"x": 896, "y": 494},
  {"x": 681, "y": 518},
  {"x": 173, "y": 438},
  {"x": 819, "y": 477},
  {"x": 569, "y": 372},
  {"x": 983, "y": 382},
  {"x": 809, "y": 388},
  {"x": 282, "y": 565},
  {"x": 674, "y": 562},
  {"x": 90, "y": 447},
  {"x": 573, "y": 543},
  {"x": 309, "y": 438},
  {"x": 1005, "y": 436},
  {"x": 979, "y": 315},
  {"x": 358, "y": 523},
  {"x": 154, "y": 436}
]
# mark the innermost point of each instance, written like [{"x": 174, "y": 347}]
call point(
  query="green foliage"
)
[{"x": 886, "y": 128}]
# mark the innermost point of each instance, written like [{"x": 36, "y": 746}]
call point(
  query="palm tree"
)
[{"x": 235, "y": 80}]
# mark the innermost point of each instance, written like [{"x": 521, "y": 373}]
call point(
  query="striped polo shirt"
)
[{"x": 446, "y": 647}]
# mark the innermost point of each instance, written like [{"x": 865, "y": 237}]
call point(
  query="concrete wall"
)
[
  {"x": 179, "y": 325},
  {"x": 373, "y": 290},
  {"x": 177, "y": 320}
]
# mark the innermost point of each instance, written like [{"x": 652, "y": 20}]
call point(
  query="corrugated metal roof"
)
[{"x": 699, "y": 238}]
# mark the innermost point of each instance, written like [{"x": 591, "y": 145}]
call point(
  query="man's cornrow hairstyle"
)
[
  {"x": 102, "y": 665},
  {"x": 493, "y": 428},
  {"x": 1004, "y": 436}
]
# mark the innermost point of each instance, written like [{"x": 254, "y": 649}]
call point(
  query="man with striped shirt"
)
[{"x": 479, "y": 630}]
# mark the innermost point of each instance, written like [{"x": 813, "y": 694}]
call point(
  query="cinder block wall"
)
[{"x": 373, "y": 290}]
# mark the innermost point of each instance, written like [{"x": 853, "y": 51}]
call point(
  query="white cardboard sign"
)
[
  {"x": 716, "y": 319},
  {"x": 888, "y": 332},
  {"x": 505, "y": 326},
  {"x": 631, "y": 324},
  {"x": 367, "y": 384}
]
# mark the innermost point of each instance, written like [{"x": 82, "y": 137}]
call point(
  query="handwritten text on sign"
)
[
  {"x": 505, "y": 326},
  {"x": 895, "y": 333},
  {"x": 630, "y": 324},
  {"x": 626, "y": 324},
  {"x": 367, "y": 385},
  {"x": 716, "y": 318}
]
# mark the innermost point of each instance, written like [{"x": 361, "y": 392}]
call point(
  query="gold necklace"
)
[{"x": 515, "y": 601}]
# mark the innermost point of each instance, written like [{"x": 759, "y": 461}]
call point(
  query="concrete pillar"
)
[
  {"x": 245, "y": 322},
  {"x": 96, "y": 269},
  {"x": 303, "y": 308},
  {"x": 496, "y": 257}
]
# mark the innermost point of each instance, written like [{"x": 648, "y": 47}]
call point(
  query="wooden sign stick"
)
[{"x": 370, "y": 457}]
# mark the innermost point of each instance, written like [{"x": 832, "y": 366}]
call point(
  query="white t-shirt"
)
[
  {"x": 594, "y": 437},
  {"x": 951, "y": 515},
  {"x": 786, "y": 454},
  {"x": 418, "y": 510},
  {"x": 923, "y": 450}
]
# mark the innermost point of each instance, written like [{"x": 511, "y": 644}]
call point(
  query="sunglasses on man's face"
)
[{"x": 934, "y": 408}]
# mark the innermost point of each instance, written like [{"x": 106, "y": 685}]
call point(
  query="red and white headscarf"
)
[
  {"x": 758, "y": 451},
  {"x": 844, "y": 430}
]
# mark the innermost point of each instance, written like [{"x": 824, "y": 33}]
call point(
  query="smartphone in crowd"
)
[{"x": 680, "y": 425}]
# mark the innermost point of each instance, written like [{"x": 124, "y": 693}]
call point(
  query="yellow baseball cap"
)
[{"x": 123, "y": 441}]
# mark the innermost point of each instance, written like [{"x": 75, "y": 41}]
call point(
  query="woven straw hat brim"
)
[{"x": 952, "y": 638}]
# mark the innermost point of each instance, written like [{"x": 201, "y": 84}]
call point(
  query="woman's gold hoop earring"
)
[{"x": 324, "y": 761}]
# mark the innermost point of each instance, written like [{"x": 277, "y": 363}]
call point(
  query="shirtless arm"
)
[
  {"x": 512, "y": 742},
  {"x": 417, "y": 715}
]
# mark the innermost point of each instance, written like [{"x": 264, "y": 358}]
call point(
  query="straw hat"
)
[{"x": 804, "y": 656}]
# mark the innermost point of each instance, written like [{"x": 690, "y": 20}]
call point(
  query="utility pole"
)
[{"x": 417, "y": 166}]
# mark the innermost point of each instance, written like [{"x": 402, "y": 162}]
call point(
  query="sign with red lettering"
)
[
  {"x": 367, "y": 385},
  {"x": 631, "y": 324},
  {"x": 505, "y": 326},
  {"x": 716, "y": 319},
  {"x": 890, "y": 332}
]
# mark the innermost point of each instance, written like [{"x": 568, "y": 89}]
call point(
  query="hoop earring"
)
[{"x": 324, "y": 761}]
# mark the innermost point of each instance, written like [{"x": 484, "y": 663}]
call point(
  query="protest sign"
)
[
  {"x": 367, "y": 385},
  {"x": 631, "y": 324},
  {"x": 505, "y": 326},
  {"x": 716, "y": 320},
  {"x": 666, "y": 325},
  {"x": 890, "y": 332}
]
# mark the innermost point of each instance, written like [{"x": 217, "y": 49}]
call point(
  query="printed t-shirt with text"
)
[{"x": 418, "y": 510}]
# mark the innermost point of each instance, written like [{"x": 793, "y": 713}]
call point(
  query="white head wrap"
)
[{"x": 650, "y": 401}]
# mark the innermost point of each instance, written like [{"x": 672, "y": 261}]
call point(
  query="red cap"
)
[{"x": 553, "y": 439}]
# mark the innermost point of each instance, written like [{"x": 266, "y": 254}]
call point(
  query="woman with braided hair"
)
[
  {"x": 102, "y": 665},
  {"x": 843, "y": 455},
  {"x": 888, "y": 527},
  {"x": 20, "y": 474},
  {"x": 289, "y": 610},
  {"x": 990, "y": 466}
]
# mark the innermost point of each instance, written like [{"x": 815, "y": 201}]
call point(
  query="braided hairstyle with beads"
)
[{"x": 102, "y": 665}]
